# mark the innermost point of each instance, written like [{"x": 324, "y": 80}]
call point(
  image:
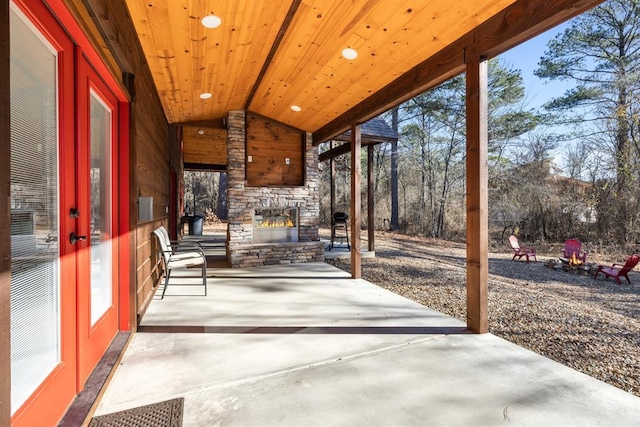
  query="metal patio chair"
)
[{"x": 173, "y": 258}]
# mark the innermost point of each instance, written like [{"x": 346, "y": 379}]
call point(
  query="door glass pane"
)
[
  {"x": 100, "y": 182},
  {"x": 35, "y": 302}
]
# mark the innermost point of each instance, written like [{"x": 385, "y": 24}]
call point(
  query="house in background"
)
[{"x": 98, "y": 99}]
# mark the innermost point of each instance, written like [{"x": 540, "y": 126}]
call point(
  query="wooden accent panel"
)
[
  {"x": 356, "y": 199},
  {"x": 5, "y": 220},
  {"x": 514, "y": 25},
  {"x": 477, "y": 197},
  {"x": 269, "y": 145},
  {"x": 207, "y": 148}
]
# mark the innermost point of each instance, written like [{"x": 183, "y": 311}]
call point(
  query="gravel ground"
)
[{"x": 590, "y": 325}]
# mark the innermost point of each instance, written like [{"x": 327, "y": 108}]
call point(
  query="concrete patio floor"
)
[{"x": 304, "y": 345}]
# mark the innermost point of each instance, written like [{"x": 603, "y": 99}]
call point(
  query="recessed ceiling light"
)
[
  {"x": 296, "y": 108},
  {"x": 211, "y": 21},
  {"x": 205, "y": 95},
  {"x": 349, "y": 53}
]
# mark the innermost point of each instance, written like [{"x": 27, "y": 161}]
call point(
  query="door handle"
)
[{"x": 73, "y": 238}]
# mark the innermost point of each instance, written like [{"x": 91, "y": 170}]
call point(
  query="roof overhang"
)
[{"x": 269, "y": 55}]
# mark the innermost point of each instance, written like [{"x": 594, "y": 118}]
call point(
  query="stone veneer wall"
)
[{"x": 241, "y": 252}]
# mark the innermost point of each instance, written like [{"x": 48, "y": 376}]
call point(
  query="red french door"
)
[
  {"x": 43, "y": 192},
  {"x": 66, "y": 234},
  {"x": 97, "y": 243}
]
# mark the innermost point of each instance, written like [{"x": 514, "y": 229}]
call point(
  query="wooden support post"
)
[
  {"x": 477, "y": 196},
  {"x": 371, "y": 203},
  {"x": 332, "y": 181},
  {"x": 356, "y": 179},
  {"x": 394, "y": 221}
]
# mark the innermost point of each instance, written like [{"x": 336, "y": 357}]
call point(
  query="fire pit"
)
[{"x": 572, "y": 265}]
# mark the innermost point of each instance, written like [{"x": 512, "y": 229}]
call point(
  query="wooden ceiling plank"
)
[
  {"x": 442, "y": 66},
  {"x": 233, "y": 49},
  {"x": 270, "y": 84},
  {"x": 307, "y": 35},
  {"x": 179, "y": 27},
  {"x": 328, "y": 85},
  {"x": 307, "y": 68},
  {"x": 214, "y": 79},
  {"x": 295, "y": 4},
  {"x": 157, "y": 17},
  {"x": 416, "y": 47},
  {"x": 278, "y": 92},
  {"x": 138, "y": 11},
  {"x": 250, "y": 45},
  {"x": 200, "y": 41},
  {"x": 519, "y": 22},
  {"x": 329, "y": 82}
]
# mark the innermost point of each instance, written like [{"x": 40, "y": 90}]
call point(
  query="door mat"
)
[{"x": 162, "y": 414}]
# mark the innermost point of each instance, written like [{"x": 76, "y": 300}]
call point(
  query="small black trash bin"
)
[{"x": 196, "y": 224}]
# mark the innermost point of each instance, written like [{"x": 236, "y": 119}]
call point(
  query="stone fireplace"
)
[
  {"x": 271, "y": 224},
  {"x": 275, "y": 225}
]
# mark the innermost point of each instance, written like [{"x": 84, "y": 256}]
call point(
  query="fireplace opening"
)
[{"x": 275, "y": 225}]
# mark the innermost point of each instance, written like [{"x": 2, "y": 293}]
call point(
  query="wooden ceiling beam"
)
[
  {"x": 212, "y": 124},
  {"x": 519, "y": 22},
  {"x": 338, "y": 151},
  {"x": 274, "y": 48},
  {"x": 334, "y": 152}
]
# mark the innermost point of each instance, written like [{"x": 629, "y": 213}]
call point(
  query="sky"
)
[{"x": 525, "y": 57}]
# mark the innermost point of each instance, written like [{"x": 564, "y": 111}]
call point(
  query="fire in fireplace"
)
[{"x": 275, "y": 225}]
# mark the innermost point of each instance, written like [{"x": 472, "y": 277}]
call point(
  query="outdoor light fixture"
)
[
  {"x": 211, "y": 21},
  {"x": 205, "y": 95},
  {"x": 349, "y": 53},
  {"x": 296, "y": 108}
]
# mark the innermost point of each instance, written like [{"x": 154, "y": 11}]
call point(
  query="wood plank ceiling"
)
[{"x": 271, "y": 54}]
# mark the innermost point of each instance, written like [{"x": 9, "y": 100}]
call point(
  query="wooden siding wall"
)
[
  {"x": 154, "y": 147},
  {"x": 207, "y": 149},
  {"x": 5, "y": 220},
  {"x": 269, "y": 144}
]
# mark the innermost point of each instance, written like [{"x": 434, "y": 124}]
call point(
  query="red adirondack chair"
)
[
  {"x": 618, "y": 270},
  {"x": 521, "y": 251},
  {"x": 574, "y": 246}
]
